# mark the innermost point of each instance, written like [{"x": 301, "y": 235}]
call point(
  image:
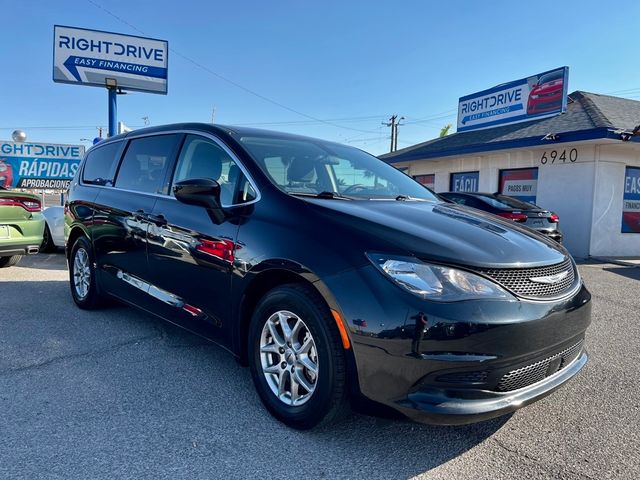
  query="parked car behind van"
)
[
  {"x": 21, "y": 225},
  {"x": 537, "y": 218},
  {"x": 307, "y": 260}
]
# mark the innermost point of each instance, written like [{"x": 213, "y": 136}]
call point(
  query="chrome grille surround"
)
[
  {"x": 518, "y": 280},
  {"x": 534, "y": 372}
]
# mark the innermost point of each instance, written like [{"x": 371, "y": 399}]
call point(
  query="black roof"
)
[
  {"x": 231, "y": 130},
  {"x": 214, "y": 128},
  {"x": 588, "y": 116}
]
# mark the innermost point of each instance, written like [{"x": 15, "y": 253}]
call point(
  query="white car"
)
[{"x": 53, "y": 237}]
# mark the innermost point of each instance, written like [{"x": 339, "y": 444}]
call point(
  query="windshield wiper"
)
[
  {"x": 404, "y": 198},
  {"x": 325, "y": 194}
]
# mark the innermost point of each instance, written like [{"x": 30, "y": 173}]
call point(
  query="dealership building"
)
[{"x": 583, "y": 163}]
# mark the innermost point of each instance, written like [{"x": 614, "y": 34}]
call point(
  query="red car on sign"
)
[
  {"x": 6, "y": 174},
  {"x": 546, "y": 94}
]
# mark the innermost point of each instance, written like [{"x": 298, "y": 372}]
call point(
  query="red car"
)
[
  {"x": 6, "y": 174},
  {"x": 546, "y": 94}
]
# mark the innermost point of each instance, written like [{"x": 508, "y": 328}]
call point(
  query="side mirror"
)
[{"x": 204, "y": 192}]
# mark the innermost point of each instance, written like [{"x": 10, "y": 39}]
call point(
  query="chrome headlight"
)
[{"x": 437, "y": 282}]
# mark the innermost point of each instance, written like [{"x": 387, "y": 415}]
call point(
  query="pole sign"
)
[
  {"x": 90, "y": 57},
  {"x": 521, "y": 183},
  {"x": 541, "y": 95},
  {"x": 44, "y": 166},
  {"x": 465, "y": 181},
  {"x": 631, "y": 201}
]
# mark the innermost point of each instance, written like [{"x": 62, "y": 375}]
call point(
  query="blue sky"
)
[{"x": 352, "y": 64}]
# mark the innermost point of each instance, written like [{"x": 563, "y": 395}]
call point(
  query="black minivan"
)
[{"x": 335, "y": 277}]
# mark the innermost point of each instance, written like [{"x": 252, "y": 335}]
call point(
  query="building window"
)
[
  {"x": 426, "y": 180},
  {"x": 521, "y": 183},
  {"x": 464, "y": 181}
]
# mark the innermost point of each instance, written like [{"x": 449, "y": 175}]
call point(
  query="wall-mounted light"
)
[
  {"x": 111, "y": 82},
  {"x": 626, "y": 136}
]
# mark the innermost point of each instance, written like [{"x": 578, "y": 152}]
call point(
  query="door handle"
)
[
  {"x": 158, "y": 220},
  {"x": 139, "y": 215}
]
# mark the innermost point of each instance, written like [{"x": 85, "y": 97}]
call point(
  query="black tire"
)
[
  {"x": 329, "y": 399},
  {"x": 9, "y": 261},
  {"x": 91, "y": 299},
  {"x": 47, "y": 245}
]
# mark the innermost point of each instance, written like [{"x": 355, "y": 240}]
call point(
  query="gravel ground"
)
[{"x": 119, "y": 394}]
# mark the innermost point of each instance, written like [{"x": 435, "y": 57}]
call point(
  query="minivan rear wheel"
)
[
  {"x": 296, "y": 357},
  {"x": 82, "y": 277}
]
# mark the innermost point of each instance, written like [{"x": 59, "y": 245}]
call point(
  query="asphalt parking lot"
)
[{"x": 119, "y": 394}]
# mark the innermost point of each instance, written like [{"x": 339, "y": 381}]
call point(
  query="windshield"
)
[
  {"x": 550, "y": 77},
  {"x": 309, "y": 167}
]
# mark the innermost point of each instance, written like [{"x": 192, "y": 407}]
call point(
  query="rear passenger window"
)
[
  {"x": 100, "y": 164},
  {"x": 144, "y": 167},
  {"x": 203, "y": 158}
]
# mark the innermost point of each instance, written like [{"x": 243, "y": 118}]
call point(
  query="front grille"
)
[
  {"x": 518, "y": 280},
  {"x": 530, "y": 374},
  {"x": 464, "y": 377}
]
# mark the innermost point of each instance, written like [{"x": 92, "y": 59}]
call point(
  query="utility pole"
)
[
  {"x": 213, "y": 115},
  {"x": 394, "y": 123}
]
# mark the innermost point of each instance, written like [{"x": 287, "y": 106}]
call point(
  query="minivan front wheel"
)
[
  {"x": 82, "y": 276},
  {"x": 296, "y": 357}
]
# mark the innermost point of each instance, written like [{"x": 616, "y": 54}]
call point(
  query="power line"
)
[
  {"x": 623, "y": 92},
  {"x": 311, "y": 122},
  {"x": 433, "y": 118},
  {"x": 228, "y": 80}
]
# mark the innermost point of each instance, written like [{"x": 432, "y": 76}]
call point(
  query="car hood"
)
[{"x": 441, "y": 232}]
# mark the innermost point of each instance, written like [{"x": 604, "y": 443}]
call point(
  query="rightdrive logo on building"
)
[{"x": 540, "y": 95}]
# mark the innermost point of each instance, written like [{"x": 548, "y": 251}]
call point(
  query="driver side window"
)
[{"x": 201, "y": 157}]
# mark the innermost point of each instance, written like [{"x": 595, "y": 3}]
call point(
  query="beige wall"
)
[{"x": 586, "y": 194}]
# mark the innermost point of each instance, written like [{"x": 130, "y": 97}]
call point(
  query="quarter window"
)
[
  {"x": 144, "y": 167},
  {"x": 203, "y": 158},
  {"x": 99, "y": 165}
]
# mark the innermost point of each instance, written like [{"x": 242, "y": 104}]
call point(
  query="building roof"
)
[{"x": 589, "y": 116}]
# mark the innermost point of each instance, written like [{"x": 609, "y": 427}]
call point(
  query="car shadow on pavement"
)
[
  {"x": 42, "y": 261},
  {"x": 629, "y": 272},
  {"x": 116, "y": 383}
]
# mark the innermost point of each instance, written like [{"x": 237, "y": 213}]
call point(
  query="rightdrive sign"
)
[
  {"x": 541, "y": 95},
  {"x": 90, "y": 57}
]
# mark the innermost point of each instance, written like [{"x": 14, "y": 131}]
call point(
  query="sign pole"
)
[{"x": 113, "y": 111}]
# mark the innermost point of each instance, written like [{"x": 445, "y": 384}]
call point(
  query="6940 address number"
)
[{"x": 559, "y": 156}]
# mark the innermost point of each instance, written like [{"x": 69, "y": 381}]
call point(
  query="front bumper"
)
[
  {"x": 453, "y": 408},
  {"x": 455, "y": 373}
]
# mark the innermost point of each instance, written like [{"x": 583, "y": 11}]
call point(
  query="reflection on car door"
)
[
  {"x": 122, "y": 216},
  {"x": 191, "y": 256}
]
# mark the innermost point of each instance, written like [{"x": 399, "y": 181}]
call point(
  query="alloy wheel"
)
[
  {"x": 289, "y": 358},
  {"x": 81, "y": 273}
]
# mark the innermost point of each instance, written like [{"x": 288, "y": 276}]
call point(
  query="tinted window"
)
[
  {"x": 503, "y": 201},
  {"x": 145, "y": 164},
  {"x": 203, "y": 158},
  {"x": 309, "y": 167},
  {"x": 550, "y": 77},
  {"x": 99, "y": 166},
  {"x": 458, "y": 199}
]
